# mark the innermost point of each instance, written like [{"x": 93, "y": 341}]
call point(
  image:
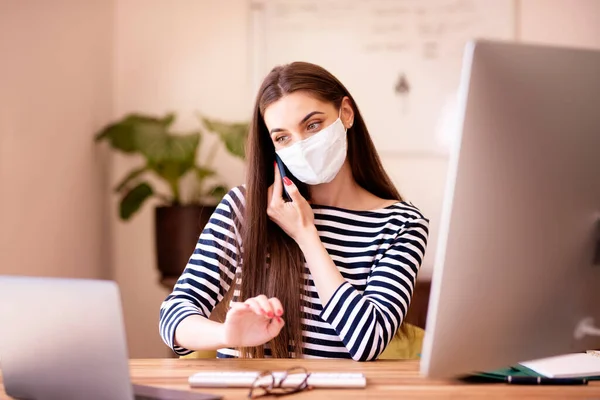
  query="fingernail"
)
[
  {"x": 287, "y": 181},
  {"x": 270, "y": 314},
  {"x": 275, "y": 163},
  {"x": 279, "y": 320},
  {"x": 279, "y": 313}
]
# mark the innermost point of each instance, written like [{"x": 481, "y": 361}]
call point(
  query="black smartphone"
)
[{"x": 283, "y": 171}]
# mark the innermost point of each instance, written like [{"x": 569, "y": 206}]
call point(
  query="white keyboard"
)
[{"x": 233, "y": 379}]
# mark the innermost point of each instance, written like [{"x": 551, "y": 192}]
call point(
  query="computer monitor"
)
[
  {"x": 517, "y": 269},
  {"x": 63, "y": 339}
]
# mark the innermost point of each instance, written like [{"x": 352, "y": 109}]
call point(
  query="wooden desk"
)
[{"x": 385, "y": 380}]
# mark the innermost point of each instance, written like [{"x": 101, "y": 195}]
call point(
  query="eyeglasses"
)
[{"x": 293, "y": 380}]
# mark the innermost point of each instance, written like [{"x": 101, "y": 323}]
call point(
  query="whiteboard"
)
[{"x": 400, "y": 59}]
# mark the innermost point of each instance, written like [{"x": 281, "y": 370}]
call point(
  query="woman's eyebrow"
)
[{"x": 310, "y": 114}]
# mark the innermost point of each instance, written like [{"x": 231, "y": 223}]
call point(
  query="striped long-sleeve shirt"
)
[{"x": 377, "y": 252}]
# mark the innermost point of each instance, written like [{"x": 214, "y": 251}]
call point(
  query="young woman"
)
[{"x": 328, "y": 274}]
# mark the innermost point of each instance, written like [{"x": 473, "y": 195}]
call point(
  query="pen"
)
[{"x": 532, "y": 380}]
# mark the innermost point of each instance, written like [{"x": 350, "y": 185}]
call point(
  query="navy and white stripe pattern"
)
[{"x": 377, "y": 252}]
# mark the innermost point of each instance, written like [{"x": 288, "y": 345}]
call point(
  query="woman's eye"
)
[
  {"x": 313, "y": 125},
  {"x": 280, "y": 139}
]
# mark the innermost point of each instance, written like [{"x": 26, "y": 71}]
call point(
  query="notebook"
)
[{"x": 576, "y": 365}]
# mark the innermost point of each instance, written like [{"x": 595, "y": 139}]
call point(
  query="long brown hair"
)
[{"x": 272, "y": 262}]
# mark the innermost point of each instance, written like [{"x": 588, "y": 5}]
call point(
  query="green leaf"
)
[
  {"x": 168, "y": 155},
  {"x": 133, "y": 130},
  {"x": 233, "y": 135},
  {"x": 133, "y": 200},
  {"x": 218, "y": 191},
  {"x": 203, "y": 173},
  {"x": 168, "y": 120},
  {"x": 130, "y": 177},
  {"x": 172, "y": 156},
  {"x": 120, "y": 136}
]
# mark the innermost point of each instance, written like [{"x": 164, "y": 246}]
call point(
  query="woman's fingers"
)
[
  {"x": 253, "y": 322},
  {"x": 292, "y": 190},
  {"x": 277, "y": 193},
  {"x": 237, "y": 311},
  {"x": 238, "y": 305},
  {"x": 276, "y": 305},
  {"x": 269, "y": 195},
  {"x": 261, "y": 305},
  {"x": 254, "y": 306},
  {"x": 263, "y": 301},
  {"x": 275, "y": 326}
]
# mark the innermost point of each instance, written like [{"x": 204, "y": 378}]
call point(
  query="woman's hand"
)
[
  {"x": 295, "y": 217},
  {"x": 253, "y": 322}
]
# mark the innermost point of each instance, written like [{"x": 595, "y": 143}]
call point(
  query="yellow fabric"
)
[
  {"x": 201, "y": 354},
  {"x": 408, "y": 347}
]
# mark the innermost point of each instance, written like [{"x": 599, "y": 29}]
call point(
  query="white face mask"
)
[{"x": 319, "y": 158}]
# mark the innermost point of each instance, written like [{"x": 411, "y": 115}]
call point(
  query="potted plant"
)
[{"x": 172, "y": 157}]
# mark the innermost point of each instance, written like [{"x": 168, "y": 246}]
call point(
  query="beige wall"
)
[
  {"x": 573, "y": 23},
  {"x": 55, "y": 91},
  {"x": 187, "y": 56}
]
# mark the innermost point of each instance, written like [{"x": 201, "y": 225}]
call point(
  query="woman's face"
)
[{"x": 297, "y": 116}]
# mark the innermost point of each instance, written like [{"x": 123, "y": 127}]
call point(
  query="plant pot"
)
[{"x": 177, "y": 229}]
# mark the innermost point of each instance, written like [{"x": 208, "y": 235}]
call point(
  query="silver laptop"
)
[
  {"x": 517, "y": 269},
  {"x": 64, "y": 339}
]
